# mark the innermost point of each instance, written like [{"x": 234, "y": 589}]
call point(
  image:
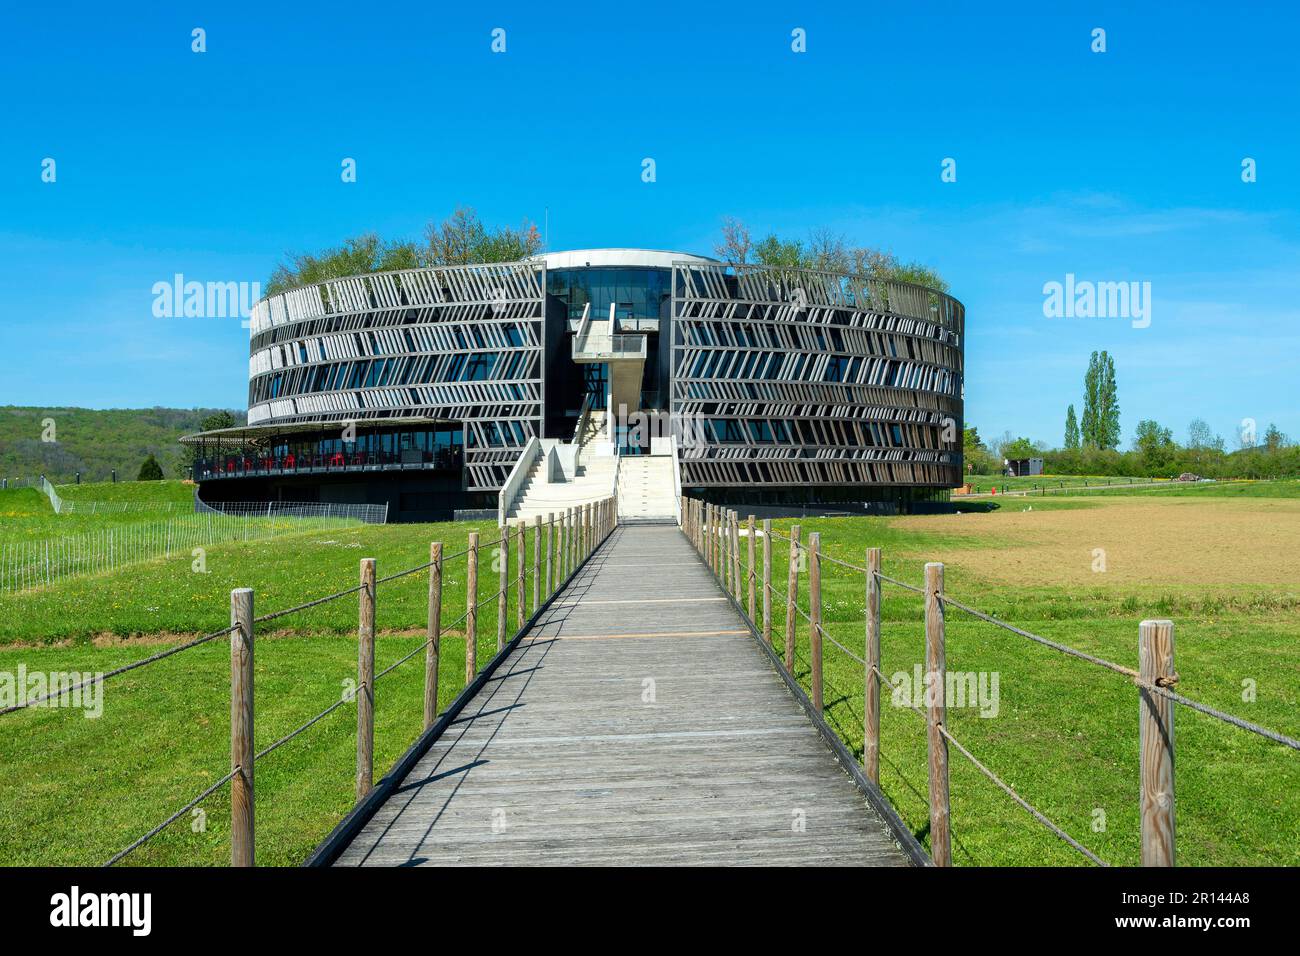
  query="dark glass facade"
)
[{"x": 635, "y": 293}]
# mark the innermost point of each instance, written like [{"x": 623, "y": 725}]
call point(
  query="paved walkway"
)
[{"x": 636, "y": 724}]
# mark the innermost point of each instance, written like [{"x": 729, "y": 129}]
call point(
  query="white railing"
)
[
  {"x": 608, "y": 345},
  {"x": 48, "y": 489},
  {"x": 365, "y": 513},
  {"x": 677, "y": 479},
  {"x": 518, "y": 475},
  {"x": 32, "y": 564},
  {"x": 579, "y": 433}
]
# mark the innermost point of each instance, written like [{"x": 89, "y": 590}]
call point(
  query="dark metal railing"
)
[{"x": 245, "y": 465}]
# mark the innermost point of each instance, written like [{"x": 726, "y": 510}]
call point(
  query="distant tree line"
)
[
  {"x": 1155, "y": 454},
  {"x": 1091, "y": 444}
]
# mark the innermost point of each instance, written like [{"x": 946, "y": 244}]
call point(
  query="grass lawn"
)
[{"x": 1065, "y": 735}]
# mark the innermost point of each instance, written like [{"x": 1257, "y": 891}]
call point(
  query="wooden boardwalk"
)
[{"x": 637, "y": 723}]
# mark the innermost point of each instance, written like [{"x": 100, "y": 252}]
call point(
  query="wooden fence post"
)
[
  {"x": 521, "y": 555},
  {"x": 571, "y": 548},
  {"x": 720, "y": 535},
  {"x": 735, "y": 556},
  {"x": 561, "y": 549},
  {"x": 937, "y": 716},
  {"x": 715, "y": 538},
  {"x": 1156, "y": 731},
  {"x": 751, "y": 575},
  {"x": 471, "y": 608},
  {"x": 503, "y": 589},
  {"x": 767, "y": 581},
  {"x": 791, "y": 597},
  {"x": 871, "y": 705},
  {"x": 708, "y": 535},
  {"x": 815, "y": 616},
  {"x": 537, "y": 563},
  {"x": 550, "y": 554},
  {"x": 433, "y": 635},
  {"x": 241, "y": 727},
  {"x": 366, "y": 680}
]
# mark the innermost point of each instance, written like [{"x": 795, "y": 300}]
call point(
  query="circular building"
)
[{"x": 516, "y": 387}]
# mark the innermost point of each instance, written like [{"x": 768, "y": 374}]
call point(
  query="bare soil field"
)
[{"x": 1145, "y": 541}]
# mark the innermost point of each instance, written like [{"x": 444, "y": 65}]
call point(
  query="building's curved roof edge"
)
[{"x": 628, "y": 256}]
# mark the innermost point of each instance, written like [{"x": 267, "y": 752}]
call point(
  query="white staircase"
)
[
  {"x": 645, "y": 488},
  {"x": 593, "y": 480}
]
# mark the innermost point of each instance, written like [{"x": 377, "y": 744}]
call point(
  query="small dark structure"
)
[{"x": 1024, "y": 467}]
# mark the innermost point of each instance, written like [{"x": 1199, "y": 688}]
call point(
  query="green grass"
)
[
  {"x": 1065, "y": 736},
  {"x": 174, "y": 492},
  {"x": 27, "y": 515},
  {"x": 91, "y": 786},
  {"x": 982, "y": 484},
  {"x": 1068, "y": 485}
]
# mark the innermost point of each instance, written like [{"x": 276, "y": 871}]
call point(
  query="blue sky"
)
[{"x": 1115, "y": 166}]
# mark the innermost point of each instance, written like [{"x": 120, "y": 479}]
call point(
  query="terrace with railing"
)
[{"x": 252, "y": 465}]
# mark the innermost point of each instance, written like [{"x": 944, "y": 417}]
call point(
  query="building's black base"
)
[
  {"x": 414, "y": 496},
  {"x": 787, "y": 501}
]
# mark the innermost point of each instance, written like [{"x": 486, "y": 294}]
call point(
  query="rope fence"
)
[
  {"x": 569, "y": 539},
  {"x": 714, "y": 532}
]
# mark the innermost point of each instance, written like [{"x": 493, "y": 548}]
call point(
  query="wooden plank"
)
[{"x": 594, "y": 743}]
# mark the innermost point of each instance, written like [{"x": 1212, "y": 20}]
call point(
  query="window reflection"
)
[{"x": 634, "y": 293}]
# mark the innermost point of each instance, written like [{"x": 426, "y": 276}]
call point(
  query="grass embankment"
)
[{"x": 26, "y": 514}]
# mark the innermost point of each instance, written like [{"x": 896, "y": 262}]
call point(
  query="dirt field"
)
[{"x": 1146, "y": 541}]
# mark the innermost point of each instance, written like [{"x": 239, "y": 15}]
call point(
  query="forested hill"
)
[{"x": 59, "y": 442}]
